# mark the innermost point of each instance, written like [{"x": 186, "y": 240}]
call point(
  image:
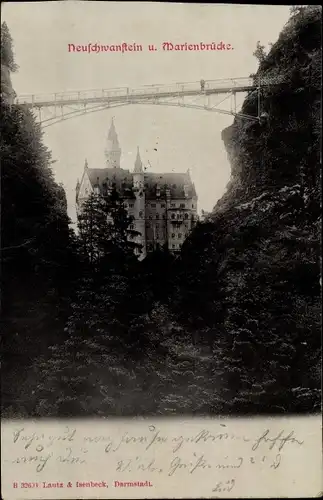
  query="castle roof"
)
[
  {"x": 122, "y": 180},
  {"x": 179, "y": 185},
  {"x": 175, "y": 182}
]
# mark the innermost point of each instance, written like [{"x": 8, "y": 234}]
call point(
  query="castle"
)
[{"x": 163, "y": 205}]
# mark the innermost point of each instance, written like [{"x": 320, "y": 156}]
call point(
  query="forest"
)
[{"x": 231, "y": 326}]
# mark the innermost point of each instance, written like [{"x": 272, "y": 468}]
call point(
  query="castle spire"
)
[
  {"x": 113, "y": 136},
  {"x": 138, "y": 162},
  {"x": 113, "y": 150},
  {"x": 86, "y": 165}
]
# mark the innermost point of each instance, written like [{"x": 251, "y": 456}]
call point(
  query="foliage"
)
[
  {"x": 7, "y": 56},
  {"x": 38, "y": 257},
  {"x": 255, "y": 263},
  {"x": 296, "y": 10},
  {"x": 260, "y": 53},
  {"x": 231, "y": 326},
  {"x": 104, "y": 228}
]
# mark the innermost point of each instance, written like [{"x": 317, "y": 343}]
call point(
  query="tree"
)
[
  {"x": 104, "y": 228},
  {"x": 38, "y": 260},
  {"x": 297, "y": 9},
  {"x": 260, "y": 52},
  {"x": 7, "y": 56}
]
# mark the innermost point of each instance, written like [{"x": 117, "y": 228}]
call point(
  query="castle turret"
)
[
  {"x": 113, "y": 150},
  {"x": 138, "y": 187}
]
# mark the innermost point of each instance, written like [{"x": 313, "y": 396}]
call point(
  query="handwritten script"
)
[
  {"x": 112, "y": 458},
  {"x": 131, "y": 452}
]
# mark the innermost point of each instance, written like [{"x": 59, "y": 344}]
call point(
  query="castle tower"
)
[
  {"x": 112, "y": 150},
  {"x": 139, "y": 191}
]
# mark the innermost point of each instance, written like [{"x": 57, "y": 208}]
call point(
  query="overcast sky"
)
[{"x": 184, "y": 138}]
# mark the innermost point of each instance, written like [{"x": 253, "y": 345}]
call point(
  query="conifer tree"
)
[
  {"x": 7, "y": 56},
  {"x": 104, "y": 228},
  {"x": 260, "y": 52}
]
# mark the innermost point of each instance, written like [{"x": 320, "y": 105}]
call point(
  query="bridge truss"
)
[{"x": 60, "y": 106}]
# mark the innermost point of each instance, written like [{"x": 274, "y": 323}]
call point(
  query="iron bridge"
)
[{"x": 56, "y": 107}]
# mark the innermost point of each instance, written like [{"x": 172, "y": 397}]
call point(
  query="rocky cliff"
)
[
  {"x": 253, "y": 269},
  {"x": 284, "y": 149}
]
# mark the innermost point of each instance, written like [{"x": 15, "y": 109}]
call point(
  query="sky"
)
[{"x": 171, "y": 139}]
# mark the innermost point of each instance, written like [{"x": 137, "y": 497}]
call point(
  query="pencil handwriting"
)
[{"x": 154, "y": 451}]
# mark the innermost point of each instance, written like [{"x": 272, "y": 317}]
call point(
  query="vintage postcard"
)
[{"x": 160, "y": 244}]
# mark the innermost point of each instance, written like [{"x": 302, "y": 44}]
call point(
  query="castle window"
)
[
  {"x": 193, "y": 205},
  {"x": 131, "y": 205},
  {"x": 173, "y": 216},
  {"x": 132, "y": 226},
  {"x": 186, "y": 216},
  {"x": 140, "y": 194},
  {"x": 173, "y": 205},
  {"x": 126, "y": 205},
  {"x": 141, "y": 214},
  {"x": 157, "y": 216},
  {"x": 153, "y": 205},
  {"x": 173, "y": 235},
  {"x": 163, "y": 205},
  {"x": 150, "y": 217},
  {"x": 173, "y": 246},
  {"x": 179, "y": 235},
  {"x": 182, "y": 205}
]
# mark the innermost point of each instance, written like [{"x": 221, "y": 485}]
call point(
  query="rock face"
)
[
  {"x": 254, "y": 265},
  {"x": 285, "y": 149}
]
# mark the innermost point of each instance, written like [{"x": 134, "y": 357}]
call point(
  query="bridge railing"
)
[
  {"x": 148, "y": 90},
  {"x": 154, "y": 89},
  {"x": 229, "y": 82},
  {"x": 77, "y": 95},
  {"x": 172, "y": 88}
]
